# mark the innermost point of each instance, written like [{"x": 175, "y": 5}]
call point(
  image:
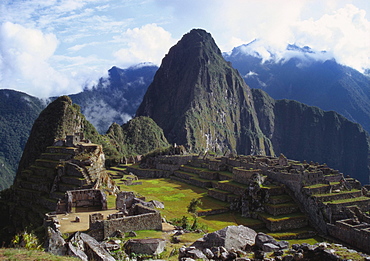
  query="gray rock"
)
[
  {"x": 283, "y": 244},
  {"x": 196, "y": 254},
  {"x": 147, "y": 246},
  {"x": 237, "y": 237},
  {"x": 269, "y": 247},
  {"x": 298, "y": 257},
  {"x": 76, "y": 252},
  {"x": 55, "y": 244},
  {"x": 132, "y": 234},
  {"x": 288, "y": 258},
  {"x": 208, "y": 253},
  {"x": 157, "y": 204},
  {"x": 262, "y": 238},
  {"x": 94, "y": 250}
]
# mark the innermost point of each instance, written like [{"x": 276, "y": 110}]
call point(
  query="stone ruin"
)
[
  {"x": 83, "y": 198},
  {"x": 133, "y": 214},
  {"x": 255, "y": 185}
]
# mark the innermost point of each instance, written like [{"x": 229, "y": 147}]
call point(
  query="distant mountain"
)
[
  {"x": 116, "y": 98},
  {"x": 308, "y": 77},
  {"x": 18, "y": 111},
  {"x": 200, "y": 101}
]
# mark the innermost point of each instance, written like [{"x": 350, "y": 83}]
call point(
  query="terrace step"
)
[
  {"x": 300, "y": 233},
  {"x": 57, "y": 195},
  {"x": 338, "y": 196},
  {"x": 316, "y": 189},
  {"x": 231, "y": 186},
  {"x": 46, "y": 163},
  {"x": 36, "y": 186},
  {"x": 63, "y": 187},
  {"x": 274, "y": 190},
  {"x": 283, "y": 222},
  {"x": 279, "y": 199},
  {"x": 185, "y": 175},
  {"x": 190, "y": 169},
  {"x": 219, "y": 194},
  {"x": 56, "y": 156},
  {"x": 281, "y": 209},
  {"x": 42, "y": 171},
  {"x": 363, "y": 203},
  {"x": 76, "y": 181}
]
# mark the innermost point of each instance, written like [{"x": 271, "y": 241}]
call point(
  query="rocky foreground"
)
[{"x": 230, "y": 243}]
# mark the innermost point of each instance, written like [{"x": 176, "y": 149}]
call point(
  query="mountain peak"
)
[{"x": 197, "y": 98}]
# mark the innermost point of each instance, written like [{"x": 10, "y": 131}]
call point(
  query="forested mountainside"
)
[{"x": 18, "y": 111}]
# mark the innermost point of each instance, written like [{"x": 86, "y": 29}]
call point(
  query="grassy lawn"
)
[{"x": 176, "y": 196}]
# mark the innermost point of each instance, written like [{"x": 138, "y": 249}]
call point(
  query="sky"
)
[{"x": 56, "y": 47}]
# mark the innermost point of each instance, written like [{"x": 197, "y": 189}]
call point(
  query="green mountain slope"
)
[{"x": 18, "y": 111}]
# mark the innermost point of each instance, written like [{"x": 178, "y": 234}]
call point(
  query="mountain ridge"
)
[{"x": 215, "y": 95}]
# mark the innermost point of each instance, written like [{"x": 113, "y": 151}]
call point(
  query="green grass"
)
[
  {"x": 331, "y": 194},
  {"x": 348, "y": 200},
  {"x": 16, "y": 254},
  {"x": 111, "y": 201},
  {"x": 281, "y": 217},
  {"x": 317, "y": 186}
]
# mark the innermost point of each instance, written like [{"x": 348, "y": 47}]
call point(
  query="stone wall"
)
[
  {"x": 85, "y": 198},
  {"x": 149, "y": 173},
  {"x": 243, "y": 175},
  {"x": 352, "y": 233},
  {"x": 145, "y": 219}
]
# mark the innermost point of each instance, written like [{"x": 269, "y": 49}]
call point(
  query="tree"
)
[{"x": 193, "y": 206}]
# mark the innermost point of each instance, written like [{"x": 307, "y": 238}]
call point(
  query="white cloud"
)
[
  {"x": 28, "y": 63},
  {"x": 24, "y": 65},
  {"x": 345, "y": 33},
  {"x": 339, "y": 28},
  {"x": 94, "y": 110},
  {"x": 148, "y": 43}
]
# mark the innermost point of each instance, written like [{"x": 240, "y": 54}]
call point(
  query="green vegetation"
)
[
  {"x": 27, "y": 240},
  {"x": 16, "y": 254},
  {"x": 18, "y": 111}
]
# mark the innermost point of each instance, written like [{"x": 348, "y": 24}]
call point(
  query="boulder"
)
[
  {"x": 55, "y": 244},
  {"x": 157, "y": 204},
  {"x": 262, "y": 238},
  {"x": 269, "y": 247},
  {"x": 147, "y": 246},
  {"x": 86, "y": 247},
  {"x": 237, "y": 237},
  {"x": 268, "y": 244}
]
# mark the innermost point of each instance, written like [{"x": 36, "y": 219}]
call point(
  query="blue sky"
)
[{"x": 55, "y": 47}]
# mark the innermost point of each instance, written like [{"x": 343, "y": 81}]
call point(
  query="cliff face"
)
[
  {"x": 304, "y": 132},
  {"x": 200, "y": 101}
]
